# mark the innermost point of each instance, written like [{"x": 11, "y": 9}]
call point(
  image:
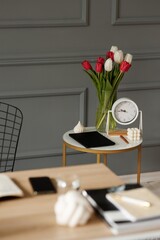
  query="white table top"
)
[{"x": 119, "y": 143}]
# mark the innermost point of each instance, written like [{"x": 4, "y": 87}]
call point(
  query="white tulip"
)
[
  {"x": 118, "y": 56},
  {"x": 128, "y": 58},
  {"x": 108, "y": 65},
  {"x": 114, "y": 49}
]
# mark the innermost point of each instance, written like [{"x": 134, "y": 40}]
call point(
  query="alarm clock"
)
[{"x": 125, "y": 111}]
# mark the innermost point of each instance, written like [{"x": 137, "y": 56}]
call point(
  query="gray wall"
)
[{"x": 42, "y": 45}]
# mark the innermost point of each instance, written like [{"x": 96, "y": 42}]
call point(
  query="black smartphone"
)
[{"x": 42, "y": 185}]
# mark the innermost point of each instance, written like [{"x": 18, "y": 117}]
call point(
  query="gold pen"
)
[{"x": 124, "y": 139}]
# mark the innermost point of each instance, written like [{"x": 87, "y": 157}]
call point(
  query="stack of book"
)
[
  {"x": 126, "y": 208},
  {"x": 8, "y": 188}
]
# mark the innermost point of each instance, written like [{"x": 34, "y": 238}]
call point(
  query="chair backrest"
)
[{"x": 11, "y": 119}]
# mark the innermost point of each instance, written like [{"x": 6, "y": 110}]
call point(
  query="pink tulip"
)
[
  {"x": 86, "y": 65},
  {"x": 124, "y": 67},
  {"x": 99, "y": 67},
  {"x": 100, "y": 60}
]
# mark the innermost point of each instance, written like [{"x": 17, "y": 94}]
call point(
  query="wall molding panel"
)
[
  {"x": 77, "y": 58},
  {"x": 43, "y": 44},
  {"x": 140, "y": 87},
  {"x": 116, "y": 19},
  {"x": 31, "y": 22},
  {"x": 58, "y": 152},
  {"x": 44, "y": 154},
  {"x": 151, "y": 143},
  {"x": 36, "y": 59},
  {"x": 81, "y": 92}
]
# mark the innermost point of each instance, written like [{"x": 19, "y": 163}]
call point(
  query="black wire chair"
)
[{"x": 11, "y": 119}]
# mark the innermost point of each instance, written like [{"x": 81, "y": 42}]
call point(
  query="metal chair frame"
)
[{"x": 11, "y": 119}]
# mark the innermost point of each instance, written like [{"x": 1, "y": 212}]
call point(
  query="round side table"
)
[{"x": 119, "y": 147}]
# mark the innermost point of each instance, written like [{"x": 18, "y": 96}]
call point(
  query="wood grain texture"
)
[{"x": 32, "y": 217}]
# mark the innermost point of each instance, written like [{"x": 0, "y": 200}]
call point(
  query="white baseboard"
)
[{"x": 145, "y": 177}]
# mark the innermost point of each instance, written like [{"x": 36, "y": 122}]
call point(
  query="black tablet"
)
[{"x": 92, "y": 139}]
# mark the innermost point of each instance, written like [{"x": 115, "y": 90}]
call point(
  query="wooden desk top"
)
[{"x": 32, "y": 217}]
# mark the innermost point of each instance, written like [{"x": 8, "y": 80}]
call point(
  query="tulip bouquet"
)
[{"x": 106, "y": 77}]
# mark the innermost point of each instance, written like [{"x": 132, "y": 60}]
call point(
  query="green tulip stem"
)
[{"x": 111, "y": 97}]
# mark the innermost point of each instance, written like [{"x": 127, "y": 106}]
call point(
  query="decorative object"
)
[
  {"x": 133, "y": 134},
  {"x": 66, "y": 183},
  {"x": 124, "y": 111},
  {"x": 78, "y": 128},
  {"x": 72, "y": 209},
  {"x": 106, "y": 77}
]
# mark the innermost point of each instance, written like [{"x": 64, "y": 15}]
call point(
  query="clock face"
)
[{"x": 125, "y": 111}]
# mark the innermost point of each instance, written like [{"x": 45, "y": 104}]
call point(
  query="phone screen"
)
[{"x": 42, "y": 185}]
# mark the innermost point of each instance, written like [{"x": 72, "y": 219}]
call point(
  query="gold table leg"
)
[
  {"x": 139, "y": 164},
  {"x": 64, "y": 155},
  {"x": 105, "y": 159},
  {"x": 98, "y": 158}
]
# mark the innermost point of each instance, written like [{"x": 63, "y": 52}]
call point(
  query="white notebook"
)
[
  {"x": 136, "y": 204},
  {"x": 8, "y": 187}
]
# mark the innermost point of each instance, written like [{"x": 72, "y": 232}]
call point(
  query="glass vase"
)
[{"x": 105, "y": 104}]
